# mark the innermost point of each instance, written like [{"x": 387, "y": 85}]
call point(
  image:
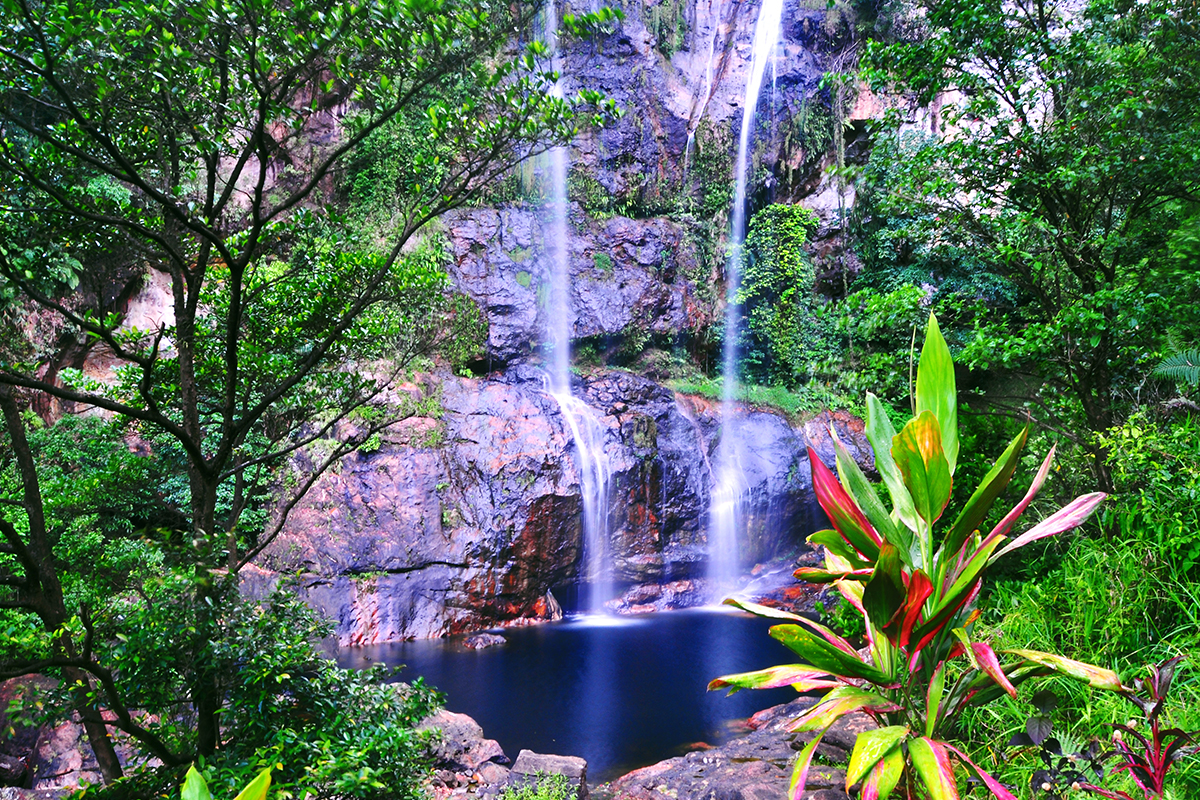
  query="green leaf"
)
[
  {"x": 880, "y": 434},
  {"x": 194, "y": 786},
  {"x": 884, "y": 593},
  {"x": 799, "y": 779},
  {"x": 917, "y": 450},
  {"x": 933, "y": 765},
  {"x": 863, "y": 494},
  {"x": 936, "y": 390},
  {"x": 933, "y": 698},
  {"x": 833, "y": 540},
  {"x": 825, "y": 656},
  {"x": 869, "y": 748},
  {"x": 985, "y": 495}
]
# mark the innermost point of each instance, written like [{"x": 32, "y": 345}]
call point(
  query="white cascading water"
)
[
  {"x": 586, "y": 431},
  {"x": 726, "y": 515}
]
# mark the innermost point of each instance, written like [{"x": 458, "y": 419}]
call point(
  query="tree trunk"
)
[{"x": 48, "y": 600}]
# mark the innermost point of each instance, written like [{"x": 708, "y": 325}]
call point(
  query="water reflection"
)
[{"x": 619, "y": 695}]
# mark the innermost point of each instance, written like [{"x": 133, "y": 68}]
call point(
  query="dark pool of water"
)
[{"x": 620, "y": 695}]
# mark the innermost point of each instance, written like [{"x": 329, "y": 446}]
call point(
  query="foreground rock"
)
[
  {"x": 757, "y": 766},
  {"x": 531, "y": 767}
]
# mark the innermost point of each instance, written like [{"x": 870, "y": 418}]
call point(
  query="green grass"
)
[
  {"x": 806, "y": 400},
  {"x": 1121, "y": 604}
]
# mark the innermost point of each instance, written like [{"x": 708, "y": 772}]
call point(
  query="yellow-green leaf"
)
[
  {"x": 869, "y": 748},
  {"x": 936, "y": 390},
  {"x": 933, "y": 765},
  {"x": 257, "y": 788},
  {"x": 1098, "y": 677},
  {"x": 194, "y": 786},
  {"x": 918, "y": 453},
  {"x": 884, "y": 776}
]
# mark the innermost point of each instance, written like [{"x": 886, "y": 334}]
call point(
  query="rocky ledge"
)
[{"x": 756, "y": 766}]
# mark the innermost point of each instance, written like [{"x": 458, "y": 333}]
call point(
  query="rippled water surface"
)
[{"x": 620, "y": 693}]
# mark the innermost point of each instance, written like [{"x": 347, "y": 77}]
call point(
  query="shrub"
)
[{"x": 916, "y": 592}]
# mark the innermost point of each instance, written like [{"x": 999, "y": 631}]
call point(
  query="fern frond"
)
[{"x": 1181, "y": 367}]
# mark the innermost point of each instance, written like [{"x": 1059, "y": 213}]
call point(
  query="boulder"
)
[
  {"x": 756, "y": 766},
  {"x": 530, "y": 767},
  {"x": 479, "y": 641}
]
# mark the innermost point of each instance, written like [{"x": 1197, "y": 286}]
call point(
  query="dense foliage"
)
[{"x": 191, "y": 143}]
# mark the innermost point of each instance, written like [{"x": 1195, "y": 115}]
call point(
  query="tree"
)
[
  {"x": 1065, "y": 157},
  {"x": 192, "y": 139}
]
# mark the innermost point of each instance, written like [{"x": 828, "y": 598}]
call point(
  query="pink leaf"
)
[
  {"x": 986, "y": 657},
  {"x": 1070, "y": 516},
  {"x": 843, "y": 512},
  {"x": 1011, "y": 518}
]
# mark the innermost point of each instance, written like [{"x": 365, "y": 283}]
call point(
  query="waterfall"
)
[
  {"x": 706, "y": 94},
  {"x": 587, "y": 432},
  {"x": 726, "y": 516}
]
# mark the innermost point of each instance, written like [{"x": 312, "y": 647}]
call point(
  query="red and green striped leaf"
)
[
  {"x": 836, "y": 704},
  {"x": 918, "y": 453},
  {"x": 994, "y": 786},
  {"x": 798, "y": 676},
  {"x": 969, "y": 571},
  {"x": 826, "y": 656},
  {"x": 932, "y": 627},
  {"x": 869, "y": 748},
  {"x": 1094, "y": 676},
  {"x": 936, "y": 390},
  {"x": 842, "y": 511},
  {"x": 985, "y": 657},
  {"x": 800, "y": 770},
  {"x": 1069, "y": 516},
  {"x": 900, "y": 628},
  {"x": 864, "y": 496},
  {"x": 884, "y": 776},
  {"x": 932, "y": 763},
  {"x": 985, "y": 495}
]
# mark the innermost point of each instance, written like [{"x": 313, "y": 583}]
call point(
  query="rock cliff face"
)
[
  {"x": 481, "y": 529},
  {"x": 474, "y": 519}
]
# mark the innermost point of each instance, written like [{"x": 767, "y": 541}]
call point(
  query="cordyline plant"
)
[
  {"x": 1148, "y": 759},
  {"x": 915, "y": 583}
]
